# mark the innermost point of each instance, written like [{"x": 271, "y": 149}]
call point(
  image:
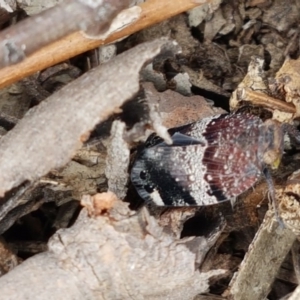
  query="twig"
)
[
  {"x": 29, "y": 35},
  {"x": 152, "y": 12},
  {"x": 261, "y": 99}
]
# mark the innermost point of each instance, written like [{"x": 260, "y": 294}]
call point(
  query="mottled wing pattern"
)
[
  {"x": 165, "y": 174},
  {"x": 232, "y": 157},
  {"x": 210, "y": 161}
]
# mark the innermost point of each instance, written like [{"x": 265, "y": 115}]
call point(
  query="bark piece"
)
[
  {"x": 8, "y": 259},
  {"x": 113, "y": 254},
  {"x": 287, "y": 82},
  {"x": 254, "y": 79},
  {"x": 256, "y": 274},
  {"x": 14, "y": 103},
  {"x": 281, "y": 15},
  {"x": 117, "y": 161},
  {"x": 78, "y": 179},
  {"x": 177, "y": 110},
  {"x": 157, "y": 78},
  {"x": 183, "y": 85},
  {"x": 198, "y": 14},
  {"x": 214, "y": 25},
  {"x": 50, "y": 133},
  {"x": 255, "y": 90},
  {"x": 198, "y": 79},
  {"x": 32, "y": 7},
  {"x": 289, "y": 207},
  {"x": 247, "y": 51}
]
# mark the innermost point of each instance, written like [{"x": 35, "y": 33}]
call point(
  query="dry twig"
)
[
  {"x": 263, "y": 100},
  {"x": 29, "y": 35},
  {"x": 152, "y": 12}
]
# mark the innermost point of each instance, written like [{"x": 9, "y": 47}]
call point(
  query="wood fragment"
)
[
  {"x": 49, "y": 134},
  {"x": 288, "y": 202},
  {"x": 117, "y": 161},
  {"x": 287, "y": 82},
  {"x": 256, "y": 274},
  {"x": 113, "y": 253}
]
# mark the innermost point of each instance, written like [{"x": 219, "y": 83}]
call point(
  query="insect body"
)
[{"x": 210, "y": 161}]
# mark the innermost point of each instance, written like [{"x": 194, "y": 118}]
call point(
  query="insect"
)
[{"x": 209, "y": 161}]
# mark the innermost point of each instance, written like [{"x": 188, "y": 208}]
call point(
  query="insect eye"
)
[
  {"x": 143, "y": 175},
  {"x": 149, "y": 188}
]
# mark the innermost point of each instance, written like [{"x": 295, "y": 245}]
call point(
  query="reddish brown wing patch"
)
[{"x": 232, "y": 155}]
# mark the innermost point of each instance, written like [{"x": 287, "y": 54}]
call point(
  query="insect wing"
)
[
  {"x": 210, "y": 161},
  {"x": 232, "y": 157},
  {"x": 159, "y": 175}
]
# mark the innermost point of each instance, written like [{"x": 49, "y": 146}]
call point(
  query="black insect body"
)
[{"x": 211, "y": 160}]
